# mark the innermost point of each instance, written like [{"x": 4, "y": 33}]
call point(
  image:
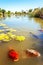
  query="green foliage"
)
[
  {"x": 41, "y": 10},
  {"x": 9, "y": 12},
  {"x": 18, "y": 13},
  {"x": 23, "y": 12},
  {"x": 3, "y": 11},
  {"x": 30, "y": 10},
  {"x": 37, "y": 12},
  {"x": 0, "y": 9}
]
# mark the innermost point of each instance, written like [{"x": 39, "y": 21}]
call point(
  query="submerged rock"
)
[{"x": 32, "y": 53}]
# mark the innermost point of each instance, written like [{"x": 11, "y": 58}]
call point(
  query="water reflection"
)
[
  {"x": 29, "y": 18},
  {"x": 40, "y": 21},
  {"x": 2, "y": 19},
  {"x": 9, "y": 15}
]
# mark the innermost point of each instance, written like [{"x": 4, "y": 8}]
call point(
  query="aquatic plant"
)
[
  {"x": 4, "y": 37},
  {"x": 11, "y": 35},
  {"x": 20, "y": 38},
  {"x": 7, "y": 34}
]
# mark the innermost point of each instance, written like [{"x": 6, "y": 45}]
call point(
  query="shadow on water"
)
[
  {"x": 39, "y": 45},
  {"x": 40, "y": 36},
  {"x": 33, "y": 35}
]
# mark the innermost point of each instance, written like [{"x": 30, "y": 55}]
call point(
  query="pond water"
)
[{"x": 23, "y": 26}]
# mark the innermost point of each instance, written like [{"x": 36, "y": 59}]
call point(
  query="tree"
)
[
  {"x": 0, "y": 11},
  {"x": 41, "y": 10},
  {"x": 3, "y": 12},
  {"x": 23, "y": 12},
  {"x": 30, "y": 10},
  {"x": 15, "y": 12},
  {"x": 9, "y": 12},
  {"x": 36, "y": 12}
]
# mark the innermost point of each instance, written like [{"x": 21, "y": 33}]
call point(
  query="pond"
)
[{"x": 23, "y": 26}]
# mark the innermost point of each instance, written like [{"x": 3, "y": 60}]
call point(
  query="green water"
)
[{"x": 24, "y": 25}]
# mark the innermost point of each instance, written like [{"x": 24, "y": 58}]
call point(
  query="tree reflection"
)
[{"x": 40, "y": 21}]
